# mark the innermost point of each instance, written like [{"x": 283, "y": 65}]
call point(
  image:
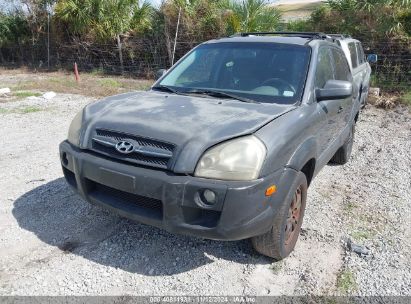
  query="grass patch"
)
[
  {"x": 24, "y": 94},
  {"x": 362, "y": 234},
  {"x": 30, "y": 109},
  {"x": 346, "y": 281},
  {"x": 350, "y": 207},
  {"x": 22, "y": 110},
  {"x": 97, "y": 72},
  {"x": 109, "y": 82},
  {"x": 276, "y": 267},
  {"x": 90, "y": 84},
  {"x": 406, "y": 98}
]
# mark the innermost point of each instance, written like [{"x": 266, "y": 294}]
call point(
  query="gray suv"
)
[
  {"x": 360, "y": 67},
  {"x": 225, "y": 144}
]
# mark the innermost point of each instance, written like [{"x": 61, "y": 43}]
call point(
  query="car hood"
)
[{"x": 191, "y": 123}]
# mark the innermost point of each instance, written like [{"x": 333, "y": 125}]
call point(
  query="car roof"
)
[
  {"x": 273, "y": 39},
  {"x": 345, "y": 39}
]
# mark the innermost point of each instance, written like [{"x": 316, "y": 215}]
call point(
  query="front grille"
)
[
  {"x": 137, "y": 204},
  {"x": 140, "y": 159},
  {"x": 142, "y": 141},
  {"x": 157, "y": 154}
]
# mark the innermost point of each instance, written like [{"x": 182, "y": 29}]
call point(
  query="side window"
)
[
  {"x": 342, "y": 71},
  {"x": 324, "y": 70},
  {"x": 361, "y": 56},
  {"x": 353, "y": 54}
]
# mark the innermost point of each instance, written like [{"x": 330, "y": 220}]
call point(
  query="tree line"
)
[
  {"x": 138, "y": 31},
  {"x": 107, "y": 21}
]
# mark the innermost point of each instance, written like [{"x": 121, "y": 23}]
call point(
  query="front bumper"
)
[{"x": 172, "y": 202}]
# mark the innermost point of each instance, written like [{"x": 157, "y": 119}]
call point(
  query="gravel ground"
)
[{"x": 54, "y": 243}]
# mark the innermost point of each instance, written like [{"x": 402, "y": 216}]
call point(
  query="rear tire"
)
[
  {"x": 280, "y": 241},
  {"x": 343, "y": 154}
]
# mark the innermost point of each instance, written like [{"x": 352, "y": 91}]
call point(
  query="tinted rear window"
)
[
  {"x": 353, "y": 54},
  {"x": 361, "y": 56},
  {"x": 342, "y": 71}
]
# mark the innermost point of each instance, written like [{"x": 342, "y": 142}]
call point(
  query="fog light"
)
[
  {"x": 64, "y": 159},
  {"x": 209, "y": 196}
]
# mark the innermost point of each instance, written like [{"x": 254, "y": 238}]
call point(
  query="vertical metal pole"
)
[
  {"x": 175, "y": 38},
  {"x": 48, "y": 39}
]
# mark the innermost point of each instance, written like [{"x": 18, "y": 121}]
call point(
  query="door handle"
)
[{"x": 340, "y": 109}]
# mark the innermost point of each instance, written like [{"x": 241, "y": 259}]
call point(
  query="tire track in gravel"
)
[
  {"x": 51, "y": 242},
  {"x": 342, "y": 205},
  {"x": 314, "y": 264}
]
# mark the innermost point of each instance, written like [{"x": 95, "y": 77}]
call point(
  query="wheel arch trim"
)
[{"x": 305, "y": 153}]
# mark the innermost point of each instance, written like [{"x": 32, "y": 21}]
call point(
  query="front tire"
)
[{"x": 280, "y": 241}]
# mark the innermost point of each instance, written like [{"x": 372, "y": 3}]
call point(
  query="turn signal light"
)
[{"x": 271, "y": 190}]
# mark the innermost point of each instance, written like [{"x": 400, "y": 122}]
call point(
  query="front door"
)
[{"x": 330, "y": 110}]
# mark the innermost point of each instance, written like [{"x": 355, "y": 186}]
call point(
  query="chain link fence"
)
[
  {"x": 392, "y": 72},
  {"x": 141, "y": 57}
]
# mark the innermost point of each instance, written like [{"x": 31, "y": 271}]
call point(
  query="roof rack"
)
[
  {"x": 341, "y": 36},
  {"x": 310, "y": 35}
]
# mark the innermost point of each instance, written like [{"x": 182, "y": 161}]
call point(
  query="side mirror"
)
[
  {"x": 372, "y": 58},
  {"x": 160, "y": 73},
  {"x": 334, "y": 89}
]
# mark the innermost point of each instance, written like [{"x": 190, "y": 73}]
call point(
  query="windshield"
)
[{"x": 259, "y": 72}]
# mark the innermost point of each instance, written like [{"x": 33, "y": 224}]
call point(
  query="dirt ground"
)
[{"x": 54, "y": 243}]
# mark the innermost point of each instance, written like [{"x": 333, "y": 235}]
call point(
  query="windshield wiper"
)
[
  {"x": 220, "y": 94},
  {"x": 164, "y": 88}
]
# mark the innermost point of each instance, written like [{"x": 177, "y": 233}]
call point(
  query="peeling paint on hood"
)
[{"x": 190, "y": 122}]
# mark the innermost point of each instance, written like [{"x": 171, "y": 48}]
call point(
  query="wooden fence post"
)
[{"x": 76, "y": 75}]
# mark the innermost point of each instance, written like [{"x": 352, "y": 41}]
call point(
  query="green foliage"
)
[
  {"x": 21, "y": 110},
  {"x": 13, "y": 28},
  {"x": 109, "y": 82},
  {"x": 357, "y": 17},
  {"x": 384, "y": 26},
  {"x": 362, "y": 234},
  {"x": 200, "y": 19},
  {"x": 298, "y": 26},
  {"x": 144, "y": 33},
  {"x": 251, "y": 16},
  {"x": 404, "y": 18},
  {"x": 24, "y": 94},
  {"x": 29, "y": 109},
  {"x": 104, "y": 19},
  {"x": 346, "y": 281},
  {"x": 406, "y": 98}
]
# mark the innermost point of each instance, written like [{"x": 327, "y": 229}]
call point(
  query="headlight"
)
[
  {"x": 237, "y": 159},
  {"x": 75, "y": 128}
]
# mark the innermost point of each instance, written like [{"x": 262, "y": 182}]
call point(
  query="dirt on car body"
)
[{"x": 54, "y": 243}]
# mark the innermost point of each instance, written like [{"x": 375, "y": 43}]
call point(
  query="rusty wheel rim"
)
[{"x": 294, "y": 216}]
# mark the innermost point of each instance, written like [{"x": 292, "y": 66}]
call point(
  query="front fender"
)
[{"x": 306, "y": 151}]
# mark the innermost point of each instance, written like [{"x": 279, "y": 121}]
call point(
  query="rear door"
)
[
  {"x": 357, "y": 64},
  {"x": 364, "y": 70}
]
